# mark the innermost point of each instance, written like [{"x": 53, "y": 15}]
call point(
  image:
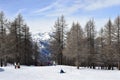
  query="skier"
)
[
  {"x": 54, "y": 64},
  {"x": 15, "y": 65},
  {"x": 18, "y": 65}
]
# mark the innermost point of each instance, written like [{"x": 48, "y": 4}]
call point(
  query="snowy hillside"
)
[{"x": 52, "y": 73}]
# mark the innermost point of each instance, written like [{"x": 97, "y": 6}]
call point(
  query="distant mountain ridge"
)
[{"x": 43, "y": 40}]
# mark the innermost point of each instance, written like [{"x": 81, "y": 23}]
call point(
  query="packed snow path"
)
[{"x": 53, "y": 73}]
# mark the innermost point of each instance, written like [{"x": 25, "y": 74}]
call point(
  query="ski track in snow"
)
[{"x": 53, "y": 73}]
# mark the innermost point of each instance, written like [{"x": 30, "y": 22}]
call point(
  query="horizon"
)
[{"x": 41, "y": 15}]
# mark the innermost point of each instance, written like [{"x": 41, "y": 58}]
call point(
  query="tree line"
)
[
  {"x": 87, "y": 47},
  {"x": 80, "y": 46},
  {"x": 16, "y": 44}
]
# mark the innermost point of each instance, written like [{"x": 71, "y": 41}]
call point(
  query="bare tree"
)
[
  {"x": 58, "y": 39},
  {"x": 74, "y": 45},
  {"x": 3, "y": 26},
  {"x": 117, "y": 37},
  {"x": 109, "y": 44},
  {"x": 90, "y": 32}
]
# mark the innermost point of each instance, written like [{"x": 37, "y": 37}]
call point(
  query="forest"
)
[
  {"x": 80, "y": 46},
  {"x": 85, "y": 46},
  {"x": 16, "y": 44}
]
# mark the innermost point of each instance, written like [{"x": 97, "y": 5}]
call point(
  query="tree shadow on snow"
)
[{"x": 1, "y": 70}]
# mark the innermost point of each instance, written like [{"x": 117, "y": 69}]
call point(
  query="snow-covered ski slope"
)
[{"x": 53, "y": 73}]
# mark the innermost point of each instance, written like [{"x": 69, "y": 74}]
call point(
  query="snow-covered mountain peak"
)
[{"x": 41, "y": 36}]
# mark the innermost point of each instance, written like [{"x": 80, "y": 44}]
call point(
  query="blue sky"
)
[{"x": 41, "y": 14}]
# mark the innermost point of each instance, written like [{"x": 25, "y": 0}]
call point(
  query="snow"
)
[
  {"x": 41, "y": 36},
  {"x": 53, "y": 73}
]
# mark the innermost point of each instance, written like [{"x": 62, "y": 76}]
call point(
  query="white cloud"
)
[
  {"x": 68, "y": 7},
  {"x": 65, "y": 10},
  {"x": 60, "y": 7},
  {"x": 99, "y": 4},
  {"x": 46, "y": 8}
]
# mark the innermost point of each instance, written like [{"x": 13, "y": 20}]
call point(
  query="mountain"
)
[
  {"x": 41, "y": 36},
  {"x": 43, "y": 40}
]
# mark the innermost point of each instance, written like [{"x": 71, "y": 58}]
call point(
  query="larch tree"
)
[
  {"x": 109, "y": 44},
  {"x": 36, "y": 55},
  {"x": 28, "y": 46},
  {"x": 3, "y": 25},
  {"x": 15, "y": 37},
  {"x": 69, "y": 51},
  {"x": 74, "y": 45},
  {"x": 57, "y": 44},
  {"x": 117, "y": 37},
  {"x": 20, "y": 42},
  {"x": 90, "y": 36}
]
